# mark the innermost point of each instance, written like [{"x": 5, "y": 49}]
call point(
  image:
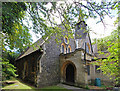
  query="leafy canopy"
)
[
  {"x": 15, "y": 33},
  {"x": 111, "y": 65},
  {"x": 43, "y": 20}
]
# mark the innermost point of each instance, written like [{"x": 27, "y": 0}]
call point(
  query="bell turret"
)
[{"x": 81, "y": 30}]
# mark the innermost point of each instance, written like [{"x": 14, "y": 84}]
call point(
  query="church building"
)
[{"x": 67, "y": 62}]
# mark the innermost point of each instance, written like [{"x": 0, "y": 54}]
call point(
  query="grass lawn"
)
[
  {"x": 54, "y": 88},
  {"x": 16, "y": 84}
]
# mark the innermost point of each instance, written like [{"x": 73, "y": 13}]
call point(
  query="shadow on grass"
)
[{"x": 19, "y": 85}]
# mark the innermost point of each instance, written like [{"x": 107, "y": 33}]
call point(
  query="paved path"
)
[{"x": 70, "y": 87}]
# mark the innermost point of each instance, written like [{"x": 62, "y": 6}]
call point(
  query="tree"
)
[
  {"x": 43, "y": 19},
  {"x": 102, "y": 42},
  {"x": 15, "y": 36},
  {"x": 69, "y": 13},
  {"x": 8, "y": 68},
  {"x": 110, "y": 66},
  {"x": 16, "y": 33}
]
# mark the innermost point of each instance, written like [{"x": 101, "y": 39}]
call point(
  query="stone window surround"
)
[
  {"x": 66, "y": 41},
  {"x": 64, "y": 48},
  {"x": 69, "y": 47}
]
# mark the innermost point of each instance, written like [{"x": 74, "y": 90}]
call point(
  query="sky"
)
[{"x": 98, "y": 30}]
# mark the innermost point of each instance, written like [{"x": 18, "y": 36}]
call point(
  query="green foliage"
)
[
  {"x": 8, "y": 71},
  {"x": 43, "y": 20},
  {"x": 111, "y": 66},
  {"x": 8, "y": 68},
  {"x": 15, "y": 34},
  {"x": 87, "y": 87},
  {"x": 10, "y": 56},
  {"x": 17, "y": 84},
  {"x": 104, "y": 43},
  {"x": 12, "y": 12},
  {"x": 101, "y": 44}
]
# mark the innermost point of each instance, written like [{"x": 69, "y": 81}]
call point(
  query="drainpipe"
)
[
  {"x": 86, "y": 76},
  {"x": 85, "y": 54}
]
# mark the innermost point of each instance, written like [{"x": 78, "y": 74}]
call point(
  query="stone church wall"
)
[
  {"x": 75, "y": 59},
  {"x": 49, "y": 74},
  {"x": 50, "y": 65},
  {"x": 98, "y": 74},
  {"x": 27, "y": 67}
]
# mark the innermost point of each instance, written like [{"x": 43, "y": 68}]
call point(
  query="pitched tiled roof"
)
[
  {"x": 100, "y": 56},
  {"x": 32, "y": 49}
]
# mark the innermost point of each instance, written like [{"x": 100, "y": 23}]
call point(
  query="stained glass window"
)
[{"x": 62, "y": 48}]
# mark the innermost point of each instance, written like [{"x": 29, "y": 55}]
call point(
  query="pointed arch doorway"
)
[{"x": 70, "y": 73}]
